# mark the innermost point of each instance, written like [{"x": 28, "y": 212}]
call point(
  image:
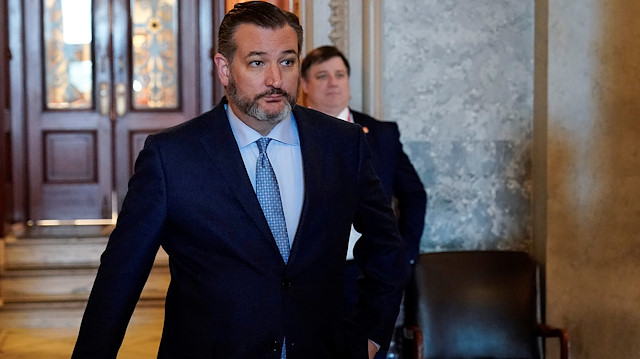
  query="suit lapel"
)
[
  {"x": 310, "y": 155},
  {"x": 359, "y": 119},
  {"x": 223, "y": 150}
]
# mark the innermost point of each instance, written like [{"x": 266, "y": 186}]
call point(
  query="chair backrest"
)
[{"x": 477, "y": 304}]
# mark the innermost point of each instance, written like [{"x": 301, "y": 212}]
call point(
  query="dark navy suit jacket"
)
[
  {"x": 399, "y": 178},
  {"x": 231, "y": 295}
]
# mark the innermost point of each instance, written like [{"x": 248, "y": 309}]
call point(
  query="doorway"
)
[{"x": 100, "y": 77}]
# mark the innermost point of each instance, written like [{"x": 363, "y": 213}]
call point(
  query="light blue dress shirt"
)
[{"x": 286, "y": 160}]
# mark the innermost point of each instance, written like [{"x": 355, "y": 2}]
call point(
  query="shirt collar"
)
[
  {"x": 285, "y": 131},
  {"x": 345, "y": 115}
]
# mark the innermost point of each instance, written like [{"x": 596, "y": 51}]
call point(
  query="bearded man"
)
[{"x": 253, "y": 202}]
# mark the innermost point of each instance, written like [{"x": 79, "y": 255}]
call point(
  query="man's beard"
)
[{"x": 252, "y": 108}]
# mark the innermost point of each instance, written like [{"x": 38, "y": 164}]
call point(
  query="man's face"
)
[
  {"x": 326, "y": 86},
  {"x": 262, "y": 82}
]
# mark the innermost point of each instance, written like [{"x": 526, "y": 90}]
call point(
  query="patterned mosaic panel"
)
[
  {"x": 155, "y": 80},
  {"x": 67, "y": 34}
]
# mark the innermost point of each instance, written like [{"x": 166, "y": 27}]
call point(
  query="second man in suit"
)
[{"x": 326, "y": 88}]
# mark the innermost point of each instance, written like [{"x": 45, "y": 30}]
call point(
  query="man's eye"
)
[
  {"x": 340, "y": 76},
  {"x": 287, "y": 62},
  {"x": 255, "y": 63},
  {"x": 321, "y": 77}
]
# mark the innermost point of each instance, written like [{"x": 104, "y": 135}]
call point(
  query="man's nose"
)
[
  {"x": 274, "y": 77},
  {"x": 332, "y": 80}
]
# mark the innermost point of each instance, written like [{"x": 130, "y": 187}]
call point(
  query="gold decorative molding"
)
[{"x": 340, "y": 25}]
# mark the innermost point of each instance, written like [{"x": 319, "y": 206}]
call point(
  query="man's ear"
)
[
  {"x": 303, "y": 84},
  {"x": 223, "y": 67}
]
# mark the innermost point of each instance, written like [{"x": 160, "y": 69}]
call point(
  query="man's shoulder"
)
[
  {"x": 377, "y": 128},
  {"x": 362, "y": 117},
  {"x": 196, "y": 125},
  {"x": 365, "y": 120},
  {"x": 306, "y": 113},
  {"x": 319, "y": 120}
]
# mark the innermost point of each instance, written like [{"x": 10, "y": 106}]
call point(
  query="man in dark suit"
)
[
  {"x": 198, "y": 190},
  {"x": 325, "y": 85}
]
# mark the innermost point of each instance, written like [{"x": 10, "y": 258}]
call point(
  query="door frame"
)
[
  {"x": 5, "y": 129},
  {"x": 17, "y": 120}
]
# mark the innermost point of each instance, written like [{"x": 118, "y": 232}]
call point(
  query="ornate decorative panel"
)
[
  {"x": 339, "y": 25},
  {"x": 155, "y": 80},
  {"x": 67, "y": 34}
]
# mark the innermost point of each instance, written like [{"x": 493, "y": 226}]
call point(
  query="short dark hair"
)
[
  {"x": 259, "y": 13},
  {"x": 320, "y": 55}
]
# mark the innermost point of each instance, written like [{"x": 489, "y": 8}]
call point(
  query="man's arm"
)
[
  {"x": 411, "y": 199},
  {"x": 380, "y": 255},
  {"x": 126, "y": 262}
]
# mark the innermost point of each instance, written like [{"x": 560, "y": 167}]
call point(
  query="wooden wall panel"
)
[{"x": 70, "y": 157}]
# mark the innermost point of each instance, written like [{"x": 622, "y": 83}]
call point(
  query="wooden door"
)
[{"x": 103, "y": 75}]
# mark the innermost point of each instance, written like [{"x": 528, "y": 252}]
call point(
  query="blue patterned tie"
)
[
  {"x": 268, "y": 194},
  {"x": 269, "y": 197}
]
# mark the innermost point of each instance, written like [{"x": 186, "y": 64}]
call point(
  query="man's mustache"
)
[{"x": 273, "y": 91}]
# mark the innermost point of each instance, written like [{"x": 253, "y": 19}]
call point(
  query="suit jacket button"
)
[
  {"x": 275, "y": 346},
  {"x": 286, "y": 283}
]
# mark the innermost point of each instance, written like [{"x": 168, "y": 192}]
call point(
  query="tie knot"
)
[{"x": 262, "y": 143}]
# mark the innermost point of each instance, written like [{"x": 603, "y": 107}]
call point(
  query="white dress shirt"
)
[{"x": 345, "y": 115}]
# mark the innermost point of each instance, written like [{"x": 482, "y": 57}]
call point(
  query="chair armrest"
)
[
  {"x": 412, "y": 344},
  {"x": 546, "y": 331}
]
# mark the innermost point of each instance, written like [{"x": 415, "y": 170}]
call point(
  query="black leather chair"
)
[{"x": 476, "y": 304}]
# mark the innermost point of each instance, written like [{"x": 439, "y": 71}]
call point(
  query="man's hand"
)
[{"x": 373, "y": 349}]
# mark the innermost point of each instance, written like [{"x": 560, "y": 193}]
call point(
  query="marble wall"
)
[{"x": 458, "y": 79}]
